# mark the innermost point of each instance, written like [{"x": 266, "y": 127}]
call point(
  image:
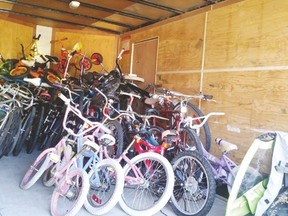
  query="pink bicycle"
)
[{"x": 60, "y": 164}]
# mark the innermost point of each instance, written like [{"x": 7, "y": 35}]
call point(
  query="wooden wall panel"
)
[
  {"x": 246, "y": 66},
  {"x": 13, "y": 34},
  {"x": 248, "y": 34},
  {"x": 179, "y": 48}
]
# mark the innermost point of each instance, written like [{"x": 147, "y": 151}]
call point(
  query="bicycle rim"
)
[
  {"x": 19, "y": 72},
  {"x": 195, "y": 187},
  {"x": 70, "y": 194},
  {"x": 189, "y": 140},
  {"x": 150, "y": 193},
  {"x": 106, "y": 186},
  {"x": 36, "y": 170},
  {"x": 204, "y": 134}
]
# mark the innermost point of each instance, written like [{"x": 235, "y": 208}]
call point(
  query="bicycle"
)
[
  {"x": 147, "y": 173},
  {"x": 64, "y": 59},
  {"x": 222, "y": 168},
  {"x": 194, "y": 178},
  {"x": 177, "y": 111},
  {"x": 62, "y": 166},
  {"x": 26, "y": 98}
]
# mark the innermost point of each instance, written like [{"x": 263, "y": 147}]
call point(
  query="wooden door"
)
[{"x": 144, "y": 61}]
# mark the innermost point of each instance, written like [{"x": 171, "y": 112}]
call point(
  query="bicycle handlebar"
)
[
  {"x": 77, "y": 112},
  {"x": 59, "y": 40},
  {"x": 130, "y": 94},
  {"x": 178, "y": 94},
  {"x": 120, "y": 54},
  {"x": 36, "y": 38},
  {"x": 150, "y": 116},
  {"x": 203, "y": 119}
]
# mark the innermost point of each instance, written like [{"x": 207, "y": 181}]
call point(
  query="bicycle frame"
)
[
  {"x": 221, "y": 166},
  {"x": 62, "y": 64}
]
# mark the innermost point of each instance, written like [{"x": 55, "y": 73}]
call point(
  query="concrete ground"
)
[{"x": 36, "y": 200}]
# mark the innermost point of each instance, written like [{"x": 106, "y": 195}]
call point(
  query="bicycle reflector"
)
[{"x": 184, "y": 109}]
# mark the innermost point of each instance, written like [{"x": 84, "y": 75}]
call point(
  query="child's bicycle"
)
[{"x": 72, "y": 183}]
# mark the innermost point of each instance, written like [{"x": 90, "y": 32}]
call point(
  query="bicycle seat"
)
[
  {"x": 150, "y": 101},
  {"x": 36, "y": 82},
  {"x": 225, "y": 146}
]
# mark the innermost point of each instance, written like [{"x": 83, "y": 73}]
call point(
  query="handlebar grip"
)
[
  {"x": 207, "y": 97},
  {"x": 64, "y": 98},
  {"x": 121, "y": 53},
  {"x": 220, "y": 141}
]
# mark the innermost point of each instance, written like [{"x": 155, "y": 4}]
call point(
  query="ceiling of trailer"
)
[{"x": 115, "y": 16}]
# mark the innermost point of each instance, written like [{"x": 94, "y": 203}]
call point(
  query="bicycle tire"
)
[
  {"x": 87, "y": 64},
  {"x": 26, "y": 126},
  {"x": 14, "y": 132},
  {"x": 189, "y": 140},
  {"x": 156, "y": 132},
  {"x": 205, "y": 133},
  {"x": 19, "y": 72},
  {"x": 74, "y": 189},
  {"x": 188, "y": 198},
  {"x": 51, "y": 76},
  {"x": 55, "y": 133},
  {"x": 16, "y": 137},
  {"x": 36, "y": 128},
  {"x": 145, "y": 205},
  {"x": 116, "y": 150},
  {"x": 4, "y": 132},
  {"x": 111, "y": 177},
  {"x": 41, "y": 163},
  {"x": 48, "y": 176}
]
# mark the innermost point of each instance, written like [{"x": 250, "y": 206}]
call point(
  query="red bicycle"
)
[{"x": 65, "y": 54}]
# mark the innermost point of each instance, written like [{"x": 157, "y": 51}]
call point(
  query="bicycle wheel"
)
[
  {"x": 48, "y": 176},
  {"x": 189, "y": 140},
  {"x": 55, "y": 133},
  {"x": 156, "y": 132},
  {"x": 205, "y": 134},
  {"x": 26, "y": 128},
  {"x": 195, "y": 187},
  {"x": 106, "y": 186},
  {"x": 96, "y": 58},
  {"x": 4, "y": 132},
  {"x": 70, "y": 194},
  {"x": 36, "y": 128},
  {"x": 19, "y": 72},
  {"x": 14, "y": 131},
  {"x": 86, "y": 63},
  {"x": 116, "y": 150},
  {"x": 36, "y": 170},
  {"x": 149, "y": 193},
  {"x": 51, "y": 76}
]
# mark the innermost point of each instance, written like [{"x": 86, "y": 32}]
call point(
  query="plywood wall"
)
[
  {"x": 241, "y": 49},
  {"x": 12, "y": 35}
]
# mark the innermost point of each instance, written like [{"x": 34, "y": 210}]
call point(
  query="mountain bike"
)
[{"x": 164, "y": 103}]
